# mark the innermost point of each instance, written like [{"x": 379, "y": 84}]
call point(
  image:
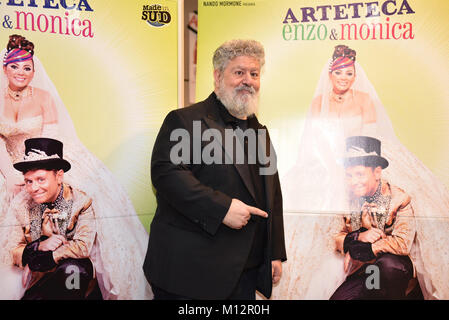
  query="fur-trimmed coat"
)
[
  {"x": 76, "y": 223},
  {"x": 394, "y": 216}
]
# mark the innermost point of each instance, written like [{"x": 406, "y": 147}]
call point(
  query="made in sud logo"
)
[{"x": 156, "y": 15}]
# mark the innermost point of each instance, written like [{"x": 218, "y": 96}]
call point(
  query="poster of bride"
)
[
  {"x": 354, "y": 95},
  {"x": 89, "y": 75}
]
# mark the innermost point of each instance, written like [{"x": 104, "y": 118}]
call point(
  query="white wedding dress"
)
[
  {"x": 314, "y": 201},
  {"x": 121, "y": 243}
]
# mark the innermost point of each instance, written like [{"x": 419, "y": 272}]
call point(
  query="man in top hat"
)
[
  {"x": 56, "y": 226},
  {"x": 379, "y": 230}
]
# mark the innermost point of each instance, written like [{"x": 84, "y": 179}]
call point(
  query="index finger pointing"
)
[{"x": 257, "y": 212}]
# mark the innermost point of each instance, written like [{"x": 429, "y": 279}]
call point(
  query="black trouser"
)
[
  {"x": 395, "y": 272},
  {"x": 69, "y": 281},
  {"x": 244, "y": 290}
]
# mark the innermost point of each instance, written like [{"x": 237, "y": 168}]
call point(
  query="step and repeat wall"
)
[
  {"x": 114, "y": 67},
  {"x": 110, "y": 69},
  {"x": 397, "y": 94}
]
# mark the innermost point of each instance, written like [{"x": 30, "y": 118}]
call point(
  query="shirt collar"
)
[
  {"x": 374, "y": 197},
  {"x": 59, "y": 200},
  {"x": 228, "y": 118}
]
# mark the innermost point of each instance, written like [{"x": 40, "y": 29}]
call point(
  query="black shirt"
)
[{"x": 255, "y": 257}]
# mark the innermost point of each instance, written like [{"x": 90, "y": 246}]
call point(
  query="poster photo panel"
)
[
  {"x": 107, "y": 71},
  {"x": 385, "y": 81},
  {"x": 115, "y": 73}
]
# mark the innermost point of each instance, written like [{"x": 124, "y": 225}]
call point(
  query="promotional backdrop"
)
[
  {"x": 114, "y": 65},
  {"x": 409, "y": 73},
  {"x": 402, "y": 46}
]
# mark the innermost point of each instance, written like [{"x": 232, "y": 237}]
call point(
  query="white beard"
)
[{"x": 239, "y": 105}]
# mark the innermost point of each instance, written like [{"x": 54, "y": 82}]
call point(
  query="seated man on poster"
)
[
  {"x": 218, "y": 229},
  {"x": 56, "y": 229},
  {"x": 380, "y": 230}
]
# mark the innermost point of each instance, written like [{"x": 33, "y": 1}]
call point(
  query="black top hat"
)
[
  {"x": 42, "y": 153},
  {"x": 364, "y": 151}
]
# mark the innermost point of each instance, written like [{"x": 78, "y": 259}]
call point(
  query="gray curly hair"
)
[{"x": 235, "y": 48}]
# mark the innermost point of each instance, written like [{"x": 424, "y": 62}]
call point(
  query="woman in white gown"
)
[
  {"x": 346, "y": 104},
  {"x": 31, "y": 107}
]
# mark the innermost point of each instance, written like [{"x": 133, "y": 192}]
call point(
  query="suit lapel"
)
[{"x": 265, "y": 150}]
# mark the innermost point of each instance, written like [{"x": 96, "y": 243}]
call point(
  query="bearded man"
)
[{"x": 218, "y": 229}]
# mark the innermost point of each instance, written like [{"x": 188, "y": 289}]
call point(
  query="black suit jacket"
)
[{"x": 190, "y": 251}]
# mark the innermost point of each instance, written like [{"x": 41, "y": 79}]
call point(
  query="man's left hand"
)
[
  {"x": 276, "y": 270},
  {"x": 371, "y": 235},
  {"x": 52, "y": 243}
]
